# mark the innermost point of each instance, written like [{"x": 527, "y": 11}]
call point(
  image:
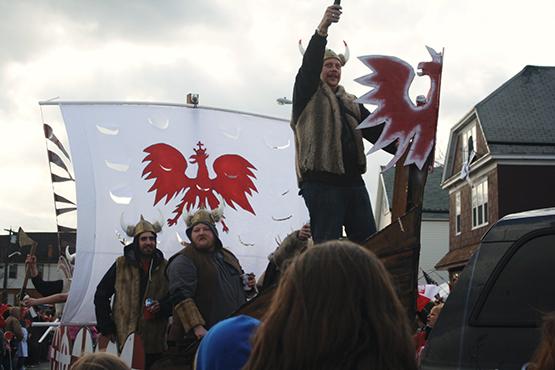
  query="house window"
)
[
  {"x": 457, "y": 213},
  {"x": 480, "y": 204},
  {"x": 468, "y": 137},
  {"x": 12, "y": 271}
]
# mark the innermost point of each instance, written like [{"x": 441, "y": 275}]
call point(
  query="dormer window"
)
[{"x": 468, "y": 138}]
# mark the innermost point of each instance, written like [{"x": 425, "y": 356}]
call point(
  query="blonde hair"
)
[{"x": 100, "y": 361}]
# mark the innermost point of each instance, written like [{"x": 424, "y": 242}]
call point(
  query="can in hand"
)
[
  {"x": 245, "y": 278},
  {"x": 147, "y": 314}
]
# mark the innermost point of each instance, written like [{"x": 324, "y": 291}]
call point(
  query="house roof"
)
[
  {"x": 457, "y": 257},
  {"x": 517, "y": 119},
  {"x": 436, "y": 200},
  {"x": 47, "y": 249}
]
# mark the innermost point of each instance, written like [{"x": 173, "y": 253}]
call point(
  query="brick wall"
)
[
  {"x": 467, "y": 235},
  {"x": 523, "y": 188}
]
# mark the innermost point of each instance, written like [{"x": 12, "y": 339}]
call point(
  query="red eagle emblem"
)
[
  {"x": 167, "y": 166},
  {"x": 405, "y": 122}
]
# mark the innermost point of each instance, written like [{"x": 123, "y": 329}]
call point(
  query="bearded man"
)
[
  {"x": 329, "y": 151},
  {"x": 138, "y": 283},
  {"x": 206, "y": 280}
]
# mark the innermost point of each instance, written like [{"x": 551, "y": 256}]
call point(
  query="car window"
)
[{"x": 524, "y": 288}]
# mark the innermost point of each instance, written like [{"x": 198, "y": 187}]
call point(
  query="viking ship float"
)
[{"x": 103, "y": 134}]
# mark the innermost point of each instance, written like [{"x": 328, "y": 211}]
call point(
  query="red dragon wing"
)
[
  {"x": 403, "y": 120},
  {"x": 234, "y": 175},
  {"x": 390, "y": 80},
  {"x": 166, "y": 165}
]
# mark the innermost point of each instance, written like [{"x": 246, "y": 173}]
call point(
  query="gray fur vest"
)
[{"x": 318, "y": 133}]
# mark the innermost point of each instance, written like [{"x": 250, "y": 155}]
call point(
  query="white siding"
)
[
  {"x": 434, "y": 245},
  {"x": 50, "y": 272}
]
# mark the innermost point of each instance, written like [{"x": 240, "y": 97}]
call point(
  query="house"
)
[
  {"x": 13, "y": 257},
  {"x": 500, "y": 160},
  {"x": 435, "y": 219}
]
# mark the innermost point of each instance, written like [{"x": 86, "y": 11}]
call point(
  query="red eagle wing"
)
[
  {"x": 234, "y": 175},
  {"x": 391, "y": 80},
  {"x": 166, "y": 165},
  {"x": 403, "y": 121}
]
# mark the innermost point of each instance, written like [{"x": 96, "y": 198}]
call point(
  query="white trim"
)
[
  {"x": 465, "y": 120},
  {"x": 49, "y": 102},
  {"x": 520, "y": 160},
  {"x": 505, "y": 160},
  {"x": 479, "y": 226},
  {"x": 484, "y": 171},
  {"x": 483, "y": 134},
  {"x": 473, "y": 205},
  {"x": 458, "y": 195},
  {"x": 455, "y": 129},
  {"x": 475, "y": 170}
]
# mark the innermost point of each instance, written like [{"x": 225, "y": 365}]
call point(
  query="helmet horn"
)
[
  {"x": 301, "y": 48},
  {"x": 347, "y": 53}
]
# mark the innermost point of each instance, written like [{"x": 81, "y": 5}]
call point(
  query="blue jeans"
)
[{"x": 331, "y": 207}]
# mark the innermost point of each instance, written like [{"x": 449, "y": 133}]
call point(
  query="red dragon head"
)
[{"x": 432, "y": 68}]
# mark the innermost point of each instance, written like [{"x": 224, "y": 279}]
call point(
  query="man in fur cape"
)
[
  {"x": 137, "y": 280},
  {"x": 330, "y": 157}
]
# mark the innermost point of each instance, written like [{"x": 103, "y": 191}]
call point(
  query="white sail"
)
[{"x": 107, "y": 142}]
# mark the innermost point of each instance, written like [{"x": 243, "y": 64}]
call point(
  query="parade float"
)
[{"x": 165, "y": 160}]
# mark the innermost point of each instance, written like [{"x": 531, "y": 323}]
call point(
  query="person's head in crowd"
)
[
  {"x": 15, "y": 312},
  {"x": 335, "y": 308},
  {"x": 227, "y": 345},
  {"x": 201, "y": 229},
  {"x": 144, "y": 236},
  {"x": 434, "y": 314},
  {"x": 544, "y": 356},
  {"x": 100, "y": 361}
]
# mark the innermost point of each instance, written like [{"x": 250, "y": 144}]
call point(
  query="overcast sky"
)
[{"x": 238, "y": 55}]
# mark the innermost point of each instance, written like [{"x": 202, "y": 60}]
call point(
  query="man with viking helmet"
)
[
  {"x": 206, "y": 280},
  {"x": 330, "y": 157},
  {"x": 138, "y": 283}
]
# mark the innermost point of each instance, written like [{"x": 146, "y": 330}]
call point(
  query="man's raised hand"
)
[{"x": 331, "y": 15}]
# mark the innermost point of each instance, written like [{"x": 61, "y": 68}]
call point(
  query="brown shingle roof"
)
[{"x": 457, "y": 257}]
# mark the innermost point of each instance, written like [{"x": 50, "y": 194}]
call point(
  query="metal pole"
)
[{"x": 5, "y": 258}]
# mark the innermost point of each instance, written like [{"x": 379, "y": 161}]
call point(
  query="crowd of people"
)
[
  {"x": 19, "y": 339},
  {"x": 334, "y": 305}
]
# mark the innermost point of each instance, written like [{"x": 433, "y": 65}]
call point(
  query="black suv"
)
[{"x": 491, "y": 319}]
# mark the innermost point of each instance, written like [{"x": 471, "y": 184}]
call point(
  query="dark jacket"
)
[
  {"x": 205, "y": 288},
  {"x": 46, "y": 288}
]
